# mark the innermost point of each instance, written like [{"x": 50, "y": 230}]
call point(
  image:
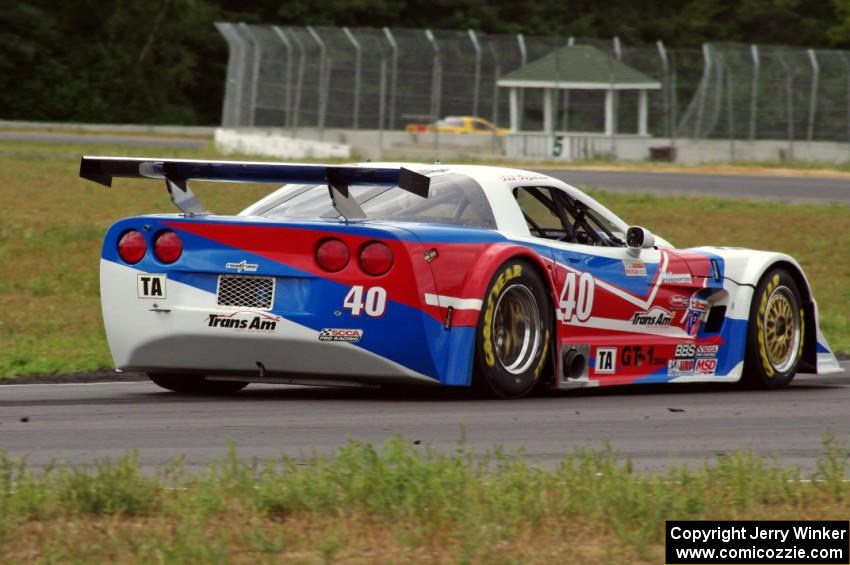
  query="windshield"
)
[{"x": 452, "y": 199}]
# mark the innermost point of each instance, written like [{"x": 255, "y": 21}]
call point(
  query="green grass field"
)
[
  {"x": 396, "y": 504},
  {"x": 53, "y": 222}
]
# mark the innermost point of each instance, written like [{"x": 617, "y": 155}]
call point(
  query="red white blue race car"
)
[{"x": 434, "y": 274}]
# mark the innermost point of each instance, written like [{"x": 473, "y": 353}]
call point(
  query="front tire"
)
[
  {"x": 775, "y": 333},
  {"x": 514, "y": 331},
  {"x": 195, "y": 384}
]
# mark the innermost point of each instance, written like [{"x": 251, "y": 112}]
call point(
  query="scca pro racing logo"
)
[
  {"x": 340, "y": 334},
  {"x": 244, "y": 321}
]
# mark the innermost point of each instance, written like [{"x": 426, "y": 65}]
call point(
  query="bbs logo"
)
[{"x": 685, "y": 350}]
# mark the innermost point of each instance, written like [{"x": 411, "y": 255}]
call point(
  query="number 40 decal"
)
[
  {"x": 374, "y": 304},
  {"x": 577, "y": 297}
]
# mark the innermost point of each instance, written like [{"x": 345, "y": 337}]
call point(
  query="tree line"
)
[{"x": 162, "y": 61}]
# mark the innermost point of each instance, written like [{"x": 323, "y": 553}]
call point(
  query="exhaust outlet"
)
[{"x": 573, "y": 364}]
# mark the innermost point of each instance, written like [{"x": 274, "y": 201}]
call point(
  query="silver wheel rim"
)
[
  {"x": 517, "y": 329},
  {"x": 781, "y": 329}
]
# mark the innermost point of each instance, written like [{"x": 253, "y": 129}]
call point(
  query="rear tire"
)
[
  {"x": 775, "y": 333},
  {"x": 196, "y": 384},
  {"x": 514, "y": 332}
]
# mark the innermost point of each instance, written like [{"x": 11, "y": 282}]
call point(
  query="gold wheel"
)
[
  {"x": 781, "y": 329},
  {"x": 517, "y": 329}
]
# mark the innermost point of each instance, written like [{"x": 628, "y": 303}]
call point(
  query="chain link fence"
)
[{"x": 384, "y": 79}]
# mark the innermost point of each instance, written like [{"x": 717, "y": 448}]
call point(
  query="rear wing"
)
[{"x": 177, "y": 173}]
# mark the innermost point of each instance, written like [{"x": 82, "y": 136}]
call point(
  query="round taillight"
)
[
  {"x": 376, "y": 258},
  {"x": 132, "y": 247},
  {"x": 332, "y": 255},
  {"x": 168, "y": 247}
]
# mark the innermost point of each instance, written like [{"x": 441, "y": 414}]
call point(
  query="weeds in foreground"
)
[{"x": 400, "y": 501}]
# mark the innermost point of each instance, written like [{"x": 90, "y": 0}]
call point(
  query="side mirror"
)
[{"x": 638, "y": 238}]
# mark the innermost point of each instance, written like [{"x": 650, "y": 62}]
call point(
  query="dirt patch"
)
[{"x": 103, "y": 376}]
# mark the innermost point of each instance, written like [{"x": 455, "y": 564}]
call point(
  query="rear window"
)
[{"x": 453, "y": 199}]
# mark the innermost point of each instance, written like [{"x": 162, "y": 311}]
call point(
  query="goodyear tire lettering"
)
[
  {"x": 504, "y": 277},
  {"x": 542, "y": 361}
]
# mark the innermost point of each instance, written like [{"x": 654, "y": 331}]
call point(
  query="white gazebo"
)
[{"x": 579, "y": 67}]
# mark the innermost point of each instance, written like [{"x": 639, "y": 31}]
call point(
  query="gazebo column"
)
[
  {"x": 643, "y": 112},
  {"x": 548, "y": 111},
  {"x": 609, "y": 111},
  {"x": 513, "y": 99}
]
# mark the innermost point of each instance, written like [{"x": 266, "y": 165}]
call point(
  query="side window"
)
[
  {"x": 588, "y": 228},
  {"x": 541, "y": 212},
  {"x": 481, "y": 126}
]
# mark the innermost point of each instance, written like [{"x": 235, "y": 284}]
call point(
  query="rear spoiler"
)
[{"x": 177, "y": 173}]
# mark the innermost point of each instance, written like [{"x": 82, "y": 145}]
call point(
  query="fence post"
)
[
  {"x": 299, "y": 83},
  {"x": 843, "y": 56},
  {"x": 497, "y": 72},
  {"x": 730, "y": 111},
  {"x": 703, "y": 87},
  {"x": 523, "y": 58},
  {"x": 665, "y": 93},
  {"x": 565, "y": 96},
  {"x": 789, "y": 92},
  {"x": 674, "y": 105},
  {"x": 256, "y": 59},
  {"x": 394, "y": 73},
  {"x": 288, "y": 75},
  {"x": 618, "y": 51},
  {"x": 382, "y": 95},
  {"x": 477, "y": 81},
  {"x": 358, "y": 60},
  {"x": 232, "y": 106},
  {"x": 322, "y": 90},
  {"x": 813, "y": 97},
  {"x": 436, "y": 87},
  {"x": 754, "y": 89}
]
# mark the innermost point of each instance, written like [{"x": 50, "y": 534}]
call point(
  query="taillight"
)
[
  {"x": 332, "y": 255},
  {"x": 376, "y": 258},
  {"x": 132, "y": 247},
  {"x": 167, "y": 247}
]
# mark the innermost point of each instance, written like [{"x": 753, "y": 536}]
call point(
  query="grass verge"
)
[
  {"x": 53, "y": 222},
  {"x": 395, "y": 504}
]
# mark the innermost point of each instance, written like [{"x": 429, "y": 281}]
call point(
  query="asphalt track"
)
[
  {"x": 774, "y": 187},
  {"x": 778, "y": 188},
  {"x": 650, "y": 424}
]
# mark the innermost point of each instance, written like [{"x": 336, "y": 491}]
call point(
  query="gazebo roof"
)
[{"x": 578, "y": 67}]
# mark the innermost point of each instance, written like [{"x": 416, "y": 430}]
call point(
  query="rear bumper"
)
[{"x": 176, "y": 334}]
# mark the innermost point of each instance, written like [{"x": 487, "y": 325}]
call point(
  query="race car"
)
[
  {"x": 459, "y": 125},
  {"x": 453, "y": 275}
]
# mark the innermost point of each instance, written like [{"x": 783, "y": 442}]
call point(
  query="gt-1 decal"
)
[
  {"x": 373, "y": 301},
  {"x": 634, "y": 356},
  {"x": 151, "y": 286}
]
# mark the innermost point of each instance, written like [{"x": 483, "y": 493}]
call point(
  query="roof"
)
[{"x": 578, "y": 67}]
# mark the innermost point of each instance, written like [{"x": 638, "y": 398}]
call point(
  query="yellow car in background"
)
[{"x": 459, "y": 125}]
